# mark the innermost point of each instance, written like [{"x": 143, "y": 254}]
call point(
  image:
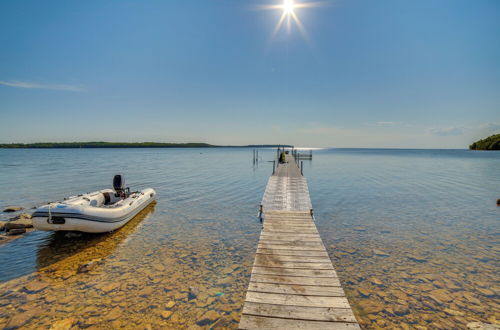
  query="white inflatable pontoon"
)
[{"x": 97, "y": 212}]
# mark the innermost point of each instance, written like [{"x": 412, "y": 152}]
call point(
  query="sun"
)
[
  {"x": 288, "y": 7},
  {"x": 289, "y": 15}
]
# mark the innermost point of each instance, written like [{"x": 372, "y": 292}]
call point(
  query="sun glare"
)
[
  {"x": 289, "y": 14},
  {"x": 288, "y": 6}
]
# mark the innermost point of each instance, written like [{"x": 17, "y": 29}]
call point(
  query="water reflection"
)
[{"x": 61, "y": 245}]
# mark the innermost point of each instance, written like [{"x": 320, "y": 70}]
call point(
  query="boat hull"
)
[{"x": 91, "y": 220}]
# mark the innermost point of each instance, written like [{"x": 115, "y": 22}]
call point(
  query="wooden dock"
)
[{"x": 293, "y": 284}]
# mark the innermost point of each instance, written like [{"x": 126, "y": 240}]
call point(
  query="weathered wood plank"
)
[
  {"x": 266, "y": 234},
  {"x": 297, "y": 242},
  {"x": 301, "y": 253},
  {"x": 306, "y": 218},
  {"x": 290, "y": 213},
  {"x": 310, "y": 290},
  {"x": 290, "y": 264},
  {"x": 299, "y": 280},
  {"x": 276, "y": 238},
  {"x": 291, "y": 258},
  {"x": 280, "y": 230},
  {"x": 289, "y": 225},
  {"x": 297, "y": 300},
  {"x": 293, "y": 271},
  {"x": 260, "y": 322},
  {"x": 300, "y": 312},
  {"x": 289, "y": 247}
]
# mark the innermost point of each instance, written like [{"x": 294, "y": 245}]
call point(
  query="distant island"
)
[
  {"x": 489, "y": 143},
  {"x": 68, "y": 145}
]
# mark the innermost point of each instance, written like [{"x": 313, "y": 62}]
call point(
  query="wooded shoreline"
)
[{"x": 77, "y": 145}]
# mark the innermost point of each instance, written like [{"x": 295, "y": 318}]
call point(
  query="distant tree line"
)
[
  {"x": 46, "y": 145},
  {"x": 489, "y": 143},
  {"x": 105, "y": 145}
]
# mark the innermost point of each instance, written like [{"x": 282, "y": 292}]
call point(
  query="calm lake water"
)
[{"x": 413, "y": 235}]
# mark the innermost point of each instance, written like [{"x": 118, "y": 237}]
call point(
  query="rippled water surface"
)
[{"x": 413, "y": 234}]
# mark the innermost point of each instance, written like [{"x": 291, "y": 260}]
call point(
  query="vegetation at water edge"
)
[{"x": 489, "y": 143}]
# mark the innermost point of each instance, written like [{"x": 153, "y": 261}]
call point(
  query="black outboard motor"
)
[{"x": 119, "y": 185}]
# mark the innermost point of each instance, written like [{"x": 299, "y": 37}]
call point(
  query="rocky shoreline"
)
[{"x": 15, "y": 226}]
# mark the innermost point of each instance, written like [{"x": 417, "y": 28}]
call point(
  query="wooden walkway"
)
[{"x": 293, "y": 284}]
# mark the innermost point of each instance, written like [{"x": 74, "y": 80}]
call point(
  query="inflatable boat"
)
[{"x": 97, "y": 212}]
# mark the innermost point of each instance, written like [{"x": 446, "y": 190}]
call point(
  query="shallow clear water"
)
[{"x": 413, "y": 235}]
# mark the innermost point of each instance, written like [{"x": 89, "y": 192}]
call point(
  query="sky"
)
[{"x": 385, "y": 73}]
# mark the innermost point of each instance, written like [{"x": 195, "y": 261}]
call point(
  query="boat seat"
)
[{"x": 107, "y": 198}]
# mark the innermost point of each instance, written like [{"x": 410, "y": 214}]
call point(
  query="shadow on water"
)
[
  {"x": 85, "y": 247},
  {"x": 55, "y": 248}
]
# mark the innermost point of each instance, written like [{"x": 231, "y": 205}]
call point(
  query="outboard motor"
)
[{"x": 119, "y": 185}]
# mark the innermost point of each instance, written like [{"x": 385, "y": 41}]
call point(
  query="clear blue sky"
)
[{"x": 385, "y": 73}]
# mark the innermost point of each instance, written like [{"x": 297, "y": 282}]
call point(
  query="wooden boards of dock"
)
[{"x": 293, "y": 284}]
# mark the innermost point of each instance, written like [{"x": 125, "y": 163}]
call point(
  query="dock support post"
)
[{"x": 274, "y": 166}]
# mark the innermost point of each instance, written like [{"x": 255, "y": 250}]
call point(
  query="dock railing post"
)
[
  {"x": 274, "y": 165},
  {"x": 302, "y": 167}
]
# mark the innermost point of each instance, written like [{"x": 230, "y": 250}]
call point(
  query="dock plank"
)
[
  {"x": 291, "y": 258},
  {"x": 299, "y": 280},
  {"x": 310, "y": 290},
  {"x": 297, "y": 300},
  {"x": 262, "y": 322},
  {"x": 292, "y": 253},
  {"x": 300, "y": 312},
  {"x": 290, "y": 247},
  {"x": 293, "y": 271}
]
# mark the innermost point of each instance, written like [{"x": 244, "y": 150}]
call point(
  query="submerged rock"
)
[
  {"x": 371, "y": 307},
  {"x": 401, "y": 310},
  {"x": 21, "y": 221},
  {"x": 65, "y": 324},
  {"x": 208, "y": 318},
  {"x": 166, "y": 314},
  {"x": 193, "y": 292},
  {"x": 416, "y": 258},
  {"x": 109, "y": 287},
  {"x": 88, "y": 266},
  {"x": 482, "y": 326},
  {"x": 453, "y": 312},
  {"x": 13, "y": 208},
  {"x": 10, "y": 226},
  {"x": 364, "y": 292},
  {"x": 486, "y": 292},
  {"x": 440, "y": 296},
  {"x": 170, "y": 304},
  {"x": 114, "y": 314},
  {"x": 17, "y": 231},
  {"x": 35, "y": 286},
  {"x": 380, "y": 253},
  {"x": 375, "y": 281},
  {"x": 20, "y": 319}
]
